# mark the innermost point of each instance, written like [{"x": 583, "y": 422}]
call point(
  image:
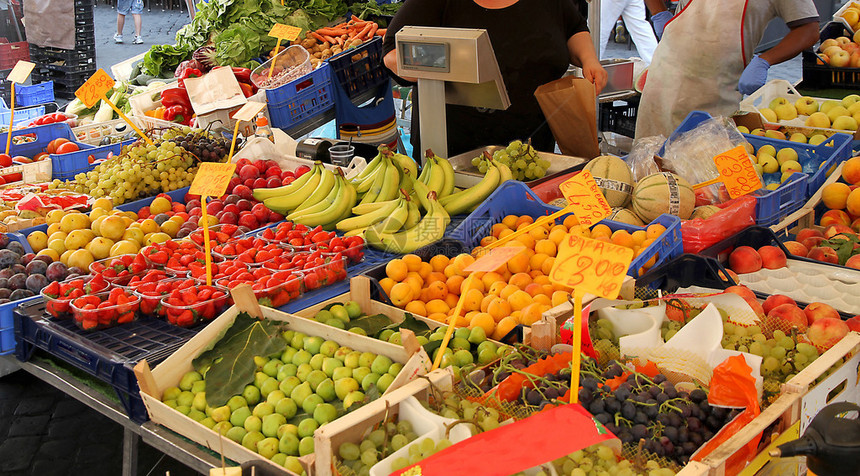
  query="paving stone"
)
[
  {"x": 36, "y": 405},
  {"x": 16, "y": 453},
  {"x": 65, "y": 428},
  {"x": 29, "y": 425},
  {"x": 53, "y": 467},
  {"x": 68, "y": 407},
  {"x": 59, "y": 449}
]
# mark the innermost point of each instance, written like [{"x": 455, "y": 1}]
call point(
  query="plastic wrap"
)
[
  {"x": 641, "y": 158},
  {"x": 691, "y": 156}
]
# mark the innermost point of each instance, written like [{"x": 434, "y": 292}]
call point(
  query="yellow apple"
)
[
  {"x": 768, "y": 164},
  {"x": 100, "y": 247},
  {"x": 840, "y": 59},
  {"x": 768, "y": 114},
  {"x": 837, "y": 111},
  {"x": 77, "y": 239},
  {"x": 786, "y": 154},
  {"x": 785, "y": 112},
  {"x": 806, "y": 105},
  {"x": 827, "y": 44},
  {"x": 845, "y": 123},
  {"x": 827, "y": 105},
  {"x": 81, "y": 258},
  {"x": 774, "y": 134},
  {"x": 124, "y": 247},
  {"x": 817, "y": 139},
  {"x": 843, "y": 40},
  {"x": 766, "y": 149},
  {"x": 851, "y": 16},
  {"x": 743, "y": 129},
  {"x": 112, "y": 227},
  {"x": 818, "y": 119},
  {"x": 798, "y": 137},
  {"x": 38, "y": 240}
]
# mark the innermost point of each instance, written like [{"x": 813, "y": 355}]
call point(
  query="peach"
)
[
  {"x": 854, "y": 323},
  {"x": 786, "y": 316},
  {"x": 855, "y": 225},
  {"x": 729, "y": 274},
  {"x": 795, "y": 248},
  {"x": 851, "y": 171},
  {"x": 823, "y": 254},
  {"x": 775, "y": 300},
  {"x": 520, "y": 280},
  {"x": 818, "y": 310},
  {"x": 772, "y": 257},
  {"x": 835, "y": 195},
  {"x": 836, "y": 229},
  {"x": 812, "y": 242},
  {"x": 852, "y": 204},
  {"x": 807, "y": 233},
  {"x": 853, "y": 262},
  {"x": 757, "y": 308},
  {"x": 827, "y": 331},
  {"x": 832, "y": 217},
  {"x": 741, "y": 291},
  {"x": 745, "y": 259}
]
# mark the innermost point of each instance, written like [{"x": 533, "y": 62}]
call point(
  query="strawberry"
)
[{"x": 52, "y": 290}]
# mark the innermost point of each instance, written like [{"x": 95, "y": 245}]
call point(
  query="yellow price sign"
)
[
  {"x": 592, "y": 266},
  {"x": 736, "y": 173},
  {"x": 494, "y": 258},
  {"x": 95, "y": 88},
  {"x": 212, "y": 179},
  {"x": 285, "y": 32},
  {"x": 586, "y": 199},
  {"x": 21, "y": 71}
]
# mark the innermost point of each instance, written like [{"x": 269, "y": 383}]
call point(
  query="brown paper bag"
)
[
  {"x": 43, "y": 29},
  {"x": 569, "y": 105}
]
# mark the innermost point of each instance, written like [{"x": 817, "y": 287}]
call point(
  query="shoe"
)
[
  {"x": 138, "y": 40},
  {"x": 117, "y": 38}
]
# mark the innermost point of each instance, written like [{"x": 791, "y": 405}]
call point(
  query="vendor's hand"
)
[
  {"x": 754, "y": 75},
  {"x": 659, "y": 20},
  {"x": 595, "y": 73}
]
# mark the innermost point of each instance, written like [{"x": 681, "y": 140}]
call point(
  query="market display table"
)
[{"x": 190, "y": 454}]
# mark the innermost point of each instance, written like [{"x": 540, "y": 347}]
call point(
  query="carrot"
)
[
  {"x": 366, "y": 29},
  {"x": 381, "y": 32},
  {"x": 359, "y": 24},
  {"x": 355, "y": 18},
  {"x": 331, "y": 31},
  {"x": 339, "y": 41},
  {"x": 318, "y": 37},
  {"x": 330, "y": 39},
  {"x": 373, "y": 29}
]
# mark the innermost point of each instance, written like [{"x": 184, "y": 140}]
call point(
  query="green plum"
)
[
  {"x": 353, "y": 310},
  {"x": 301, "y": 392},
  {"x": 328, "y": 348},
  {"x": 272, "y": 422},
  {"x": 236, "y": 402},
  {"x": 361, "y": 372},
  {"x": 251, "y": 394},
  {"x": 186, "y": 398},
  {"x": 262, "y": 409},
  {"x": 311, "y": 403},
  {"x": 236, "y": 434},
  {"x": 306, "y": 446},
  {"x": 307, "y": 427},
  {"x": 275, "y": 396},
  {"x": 253, "y": 423},
  {"x": 288, "y": 384},
  {"x": 343, "y": 386},
  {"x": 326, "y": 390},
  {"x": 312, "y": 344},
  {"x": 289, "y": 444},
  {"x": 268, "y": 447},
  {"x": 380, "y": 364}
]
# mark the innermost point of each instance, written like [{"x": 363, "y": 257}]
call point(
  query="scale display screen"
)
[{"x": 425, "y": 56}]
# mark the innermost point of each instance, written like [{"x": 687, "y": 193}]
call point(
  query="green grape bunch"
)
[{"x": 522, "y": 159}]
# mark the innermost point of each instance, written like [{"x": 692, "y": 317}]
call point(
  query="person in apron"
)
[{"x": 705, "y": 61}]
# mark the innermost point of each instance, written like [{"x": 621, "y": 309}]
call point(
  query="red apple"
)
[
  {"x": 231, "y": 208},
  {"x": 818, "y": 310},
  {"x": 827, "y": 331},
  {"x": 745, "y": 259},
  {"x": 261, "y": 166},
  {"x": 234, "y": 181},
  {"x": 775, "y": 300},
  {"x": 243, "y": 191},
  {"x": 260, "y": 212},
  {"x": 273, "y": 181},
  {"x": 214, "y": 207},
  {"x": 301, "y": 170},
  {"x": 772, "y": 257},
  {"x": 232, "y": 198},
  {"x": 228, "y": 218},
  {"x": 248, "y": 182},
  {"x": 248, "y": 220},
  {"x": 275, "y": 216},
  {"x": 249, "y": 172}
]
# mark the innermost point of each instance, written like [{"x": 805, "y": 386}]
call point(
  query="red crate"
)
[{"x": 11, "y": 53}]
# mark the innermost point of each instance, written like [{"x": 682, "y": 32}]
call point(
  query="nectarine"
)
[
  {"x": 745, "y": 259},
  {"x": 775, "y": 300},
  {"x": 795, "y": 248},
  {"x": 784, "y": 317},
  {"x": 772, "y": 257},
  {"x": 818, "y": 310},
  {"x": 823, "y": 254},
  {"x": 827, "y": 331}
]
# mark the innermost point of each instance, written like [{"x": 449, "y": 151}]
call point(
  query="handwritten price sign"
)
[
  {"x": 21, "y": 71},
  {"x": 285, "y": 32},
  {"x": 588, "y": 202},
  {"x": 212, "y": 179},
  {"x": 592, "y": 266},
  {"x": 737, "y": 172},
  {"x": 493, "y": 259},
  {"x": 95, "y": 88}
]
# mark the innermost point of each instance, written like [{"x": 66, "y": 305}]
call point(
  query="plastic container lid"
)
[{"x": 290, "y": 64}]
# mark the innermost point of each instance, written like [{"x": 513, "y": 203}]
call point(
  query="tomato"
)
[
  {"x": 21, "y": 159},
  {"x": 5, "y": 160},
  {"x": 52, "y": 146},
  {"x": 40, "y": 156},
  {"x": 67, "y": 147}
]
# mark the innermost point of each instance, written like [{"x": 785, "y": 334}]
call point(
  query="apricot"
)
[
  {"x": 416, "y": 307},
  {"x": 416, "y": 284},
  {"x": 542, "y": 279},
  {"x": 518, "y": 263},
  {"x": 485, "y": 241},
  {"x": 401, "y": 294},
  {"x": 434, "y": 277},
  {"x": 523, "y": 220},
  {"x": 489, "y": 278},
  {"x": 533, "y": 289},
  {"x": 546, "y": 267},
  {"x": 559, "y": 297},
  {"x": 439, "y": 317},
  {"x": 474, "y": 283},
  {"x": 485, "y": 302},
  {"x": 472, "y": 300},
  {"x": 436, "y": 290},
  {"x": 454, "y": 283},
  {"x": 396, "y": 269},
  {"x": 532, "y": 313},
  {"x": 505, "y": 233},
  {"x": 639, "y": 237},
  {"x": 437, "y": 306},
  {"x": 499, "y": 309},
  {"x": 449, "y": 271},
  {"x": 539, "y": 233},
  {"x": 510, "y": 221},
  {"x": 496, "y": 288},
  {"x": 451, "y": 300},
  {"x": 484, "y": 321},
  {"x": 424, "y": 270},
  {"x": 520, "y": 280},
  {"x": 570, "y": 221},
  {"x": 851, "y": 170},
  {"x": 461, "y": 262},
  {"x": 600, "y": 230},
  {"x": 557, "y": 234},
  {"x": 503, "y": 327},
  {"x": 412, "y": 261},
  {"x": 654, "y": 231},
  {"x": 519, "y": 300},
  {"x": 387, "y": 284},
  {"x": 795, "y": 248},
  {"x": 544, "y": 300},
  {"x": 622, "y": 238},
  {"x": 508, "y": 290},
  {"x": 853, "y": 202},
  {"x": 835, "y": 195},
  {"x": 527, "y": 240},
  {"x": 498, "y": 228},
  {"x": 547, "y": 247},
  {"x": 439, "y": 262}
]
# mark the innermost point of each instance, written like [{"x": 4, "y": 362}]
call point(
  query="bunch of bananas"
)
[
  {"x": 319, "y": 197},
  {"x": 467, "y": 200}
]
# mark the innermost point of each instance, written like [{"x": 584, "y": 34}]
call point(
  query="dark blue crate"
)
[
  {"x": 299, "y": 100},
  {"x": 815, "y": 159},
  {"x": 771, "y": 205},
  {"x": 516, "y": 198},
  {"x": 360, "y": 69},
  {"x": 66, "y": 166},
  {"x": 109, "y": 354},
  {"x": 31, "y": 95},
  {"x": 7, "y": 324}
]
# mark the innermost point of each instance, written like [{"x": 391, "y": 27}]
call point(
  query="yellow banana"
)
[
  {"x": 421, "y": 192},
  {"x": 404, "y": 163},
  {"x": 350, "y": 197},
  {"x": 391, "y": 186},
  {"x": 430, "y": 229},
  {"x": 284, "y": 204},
  {"x": 262, "y": 194},
  {"x": 366, "y": 183},
  {"x": 393, "y": 222},
  {"x": 370, "y": 167},
  {"x": 465, "y": 201},
  {"x": 378, "y": 181},
  {"x": 363, "y": 221},
  {"x": 414, "y": 215},
  {"x": 327, "y": 183},
  {"x": 436, "y": 178},
  {"x": 505, "y": 173},
  {"x": 318, "y": 206},
  {"x": 370, "y": 207},
  {"x": 337, "y": 206},
  {"x": 448, "y": 171}
]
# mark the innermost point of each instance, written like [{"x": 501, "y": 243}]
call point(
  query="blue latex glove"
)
[
  {"x": 754, "y": 75},
  {"x": 659, "y": 20}
]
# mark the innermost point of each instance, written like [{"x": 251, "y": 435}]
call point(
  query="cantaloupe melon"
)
[
  {"x": 663, "y": 192},
  {"x": 614, "y": 178},
  {"x": 623, "y": 215},
  {"x": 704, "y": 212}
]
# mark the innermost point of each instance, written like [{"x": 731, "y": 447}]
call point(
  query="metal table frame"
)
[{"x": 160, "y": 438}]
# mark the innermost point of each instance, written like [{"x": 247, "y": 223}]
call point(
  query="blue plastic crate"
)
[
  {"x": 515, "y": 198},
  {"x": 43, "y": 135},
  {"x": 358, "y": 70},
  {"x": 32, "y": 95},
  {"x": 7, "y": 327},
  {"x": 66, "y": 166},
  {"x": 771, "y": 205},
  {"x": 299, "y": 100},
  {"x": 815, "y": 159},
  {"x": 21, "y": 115}
]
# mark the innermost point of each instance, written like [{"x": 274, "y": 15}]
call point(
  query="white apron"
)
[{"x": 696, "y": 66}]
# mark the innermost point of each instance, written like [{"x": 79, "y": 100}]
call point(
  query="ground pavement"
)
[{"x": 45, "y": 432}]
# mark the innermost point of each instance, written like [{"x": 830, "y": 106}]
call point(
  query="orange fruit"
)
[
  {"x": 401, "y": 294},
  {"x": 396, "y": 269},
  {"x": 503, "y": 327},
  {"x": 655, "y": 230},
  {"x": 413, "y": 262},
  {"x": 416, "y": 307},
  {"x": 570, "y": 221},
  {"x": 499, "y": 308},
  {"x": 484, "y": 321},
  {"x": 387, "y": 284},
  {"x": 439, "y": 262},
  {"x": 437, "y": 306}
]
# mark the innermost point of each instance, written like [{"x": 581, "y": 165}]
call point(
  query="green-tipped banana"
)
[
  {"x": 284, "y": 204},
  {"x": 407, "y": 182},
  {"x": 420, "y": 193},
  {"x": 350, "y": 197},
  {"x": 261, "y": 194},
  {"x": 371, "y": 207},
  {"x": 327, "y": 181},
  {"x": 436, "y": 178},
  {"x": 370, "y": 167},
  {"x": 365, "y": 184},
  {"x": 363, "y": 221},
  {"x": 393, "y": 222},
  {"x": 378, "y": 181},
  {"x": 391, "y": 186},
  {"x": 466, "y": 200},
  {"x": 414, "y": 215},
  {"x": 430, "y": 229},
  {"x": 448, "y": 171},
  {"x": 425, "y": 171},
  {"x": 316, "y": 207},
  {"x": 336, "y": 207}
]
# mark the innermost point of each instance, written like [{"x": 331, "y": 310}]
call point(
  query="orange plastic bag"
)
[
  {"x": 733, "y": 385},
  {"x": 735, "y": 215}
]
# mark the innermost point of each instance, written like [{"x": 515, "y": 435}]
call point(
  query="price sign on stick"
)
[
  {"x": 211, "y": 180},
  {"x": 588, "y": 266},
  {"x": 19, "y": 74},
  {"x": 245, "y": 113},
  {"x": 96, "y": 89},
  {"x": 491, "y": 260},
  {"x": 583, "y": 194},
  {"x": 736, "y": 173},
  {"x": 282, "y": 32}
]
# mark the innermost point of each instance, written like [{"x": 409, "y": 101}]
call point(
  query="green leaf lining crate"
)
[{"x": 171, "y": 370}]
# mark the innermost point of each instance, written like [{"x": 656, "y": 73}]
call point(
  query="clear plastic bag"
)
[{"x": 641, "y": 158}]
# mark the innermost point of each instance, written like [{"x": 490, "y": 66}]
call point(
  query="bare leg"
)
[
  {"x": 138, "y": 23},
  {"x": 120, "y": 22}
]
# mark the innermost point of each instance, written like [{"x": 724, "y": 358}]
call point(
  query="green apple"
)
[{"x": 307, "y": 427}]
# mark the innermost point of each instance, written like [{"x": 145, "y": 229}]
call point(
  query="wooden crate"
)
[
  {"x": 353, "y": 426},
  {"x": 805, "y": 217},
  {"x": 170, "y": 372}
]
